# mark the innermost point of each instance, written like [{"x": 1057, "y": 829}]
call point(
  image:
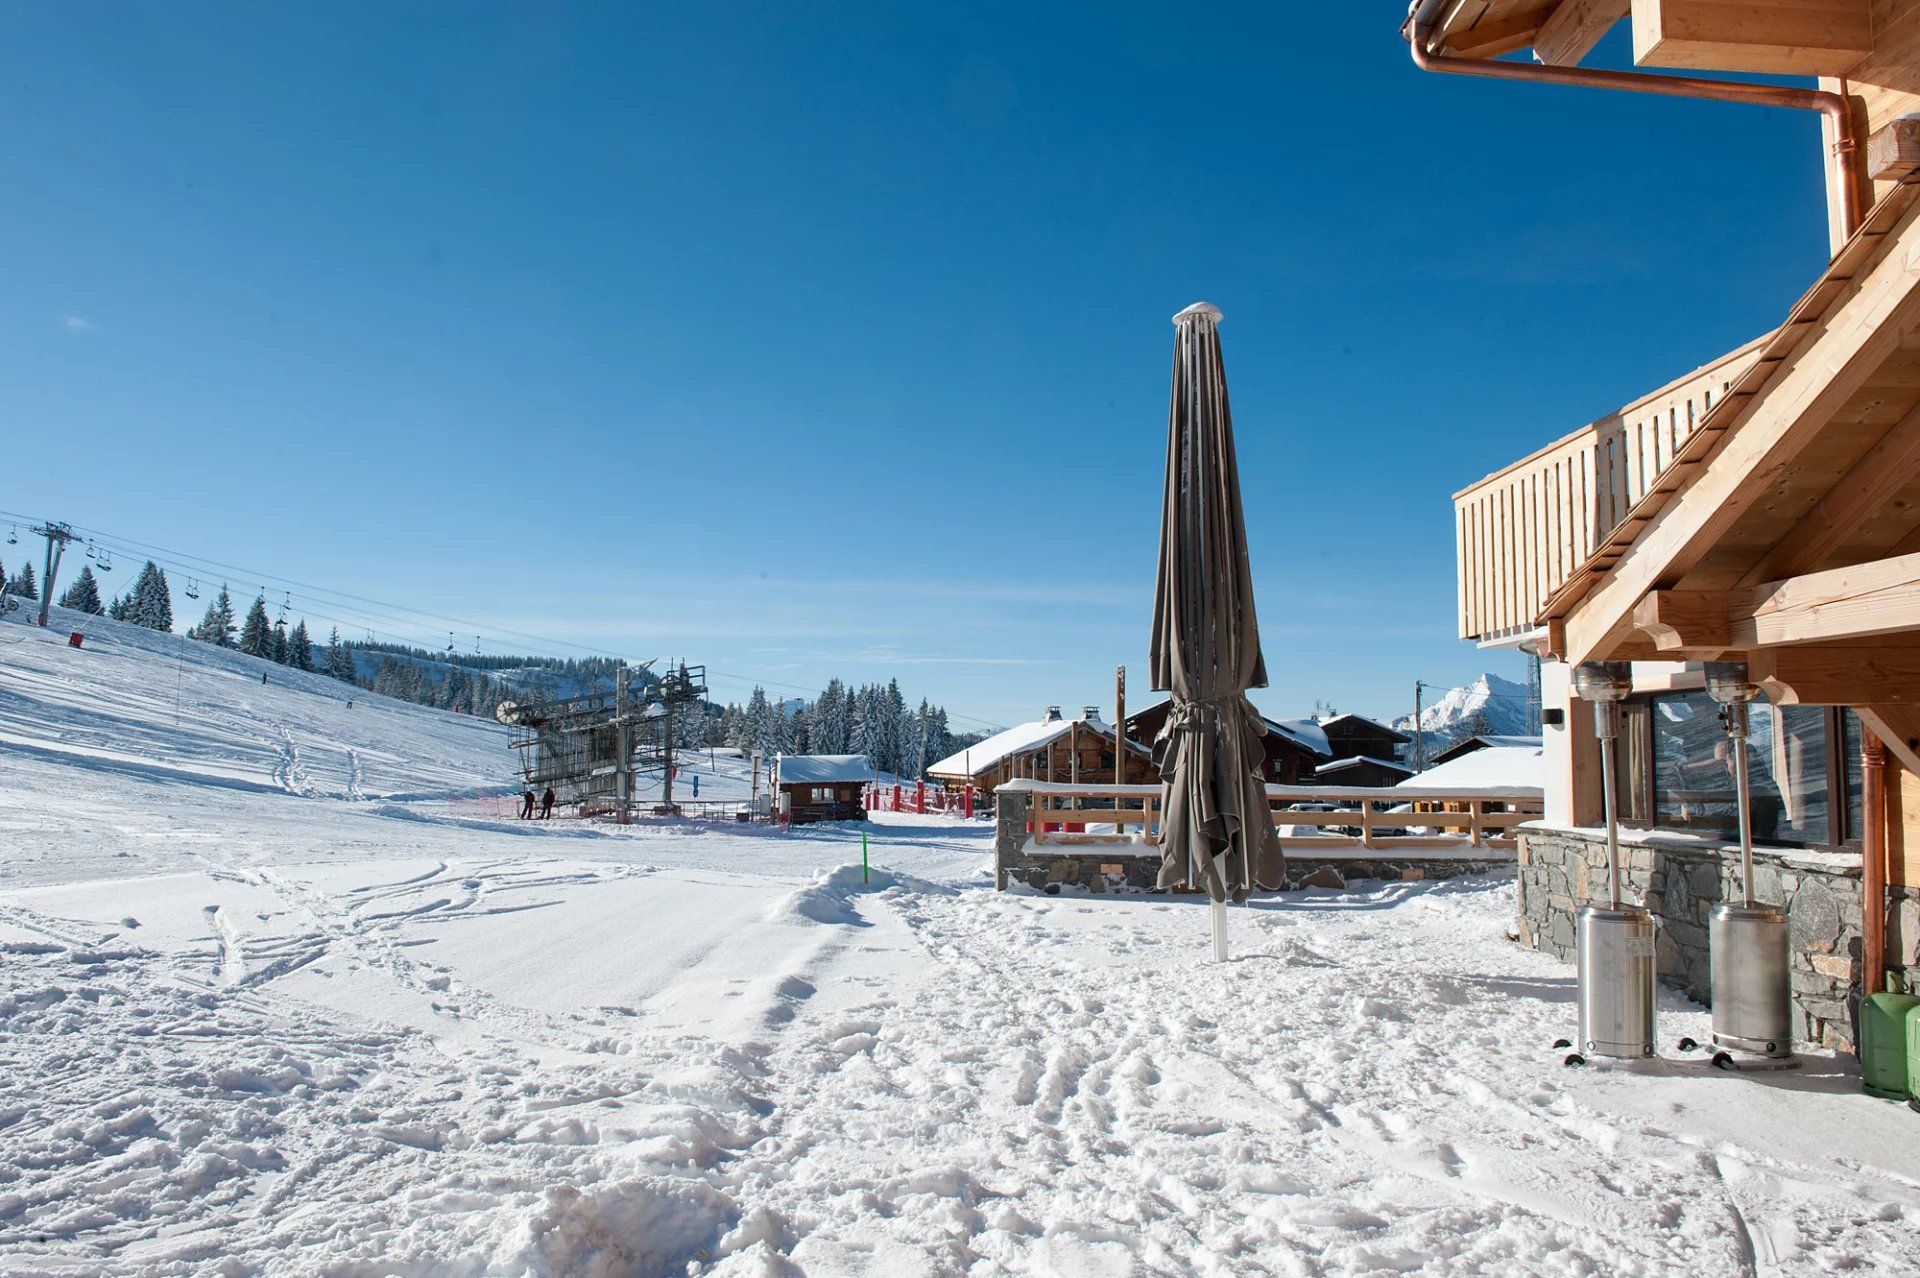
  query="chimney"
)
[
  {"x": 1091, "y": 714},
  {"x": 1053, "y": 715}
]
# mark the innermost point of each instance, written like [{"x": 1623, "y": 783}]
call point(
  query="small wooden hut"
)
[
  {"x": 1054, "y": 748},
  {"x": 821, "y": 787}
]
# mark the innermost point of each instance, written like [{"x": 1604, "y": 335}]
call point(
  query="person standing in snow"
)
[
  {"x": 526, "y": 805},
  {"x": 546, "y": 805}
]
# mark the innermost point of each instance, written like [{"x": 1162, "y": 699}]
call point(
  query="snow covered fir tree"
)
[{"x": 84, "y": 594}]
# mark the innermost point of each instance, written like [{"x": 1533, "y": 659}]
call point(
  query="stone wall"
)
[
  {"x": 1681, "y": 879},
  {"x": 1049, "y": 868}
]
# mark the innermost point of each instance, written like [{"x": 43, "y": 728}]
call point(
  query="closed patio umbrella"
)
[{"x": 1217, "y": 826}]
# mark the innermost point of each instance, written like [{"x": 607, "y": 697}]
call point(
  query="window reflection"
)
[{"x": 1693, "y": 778}]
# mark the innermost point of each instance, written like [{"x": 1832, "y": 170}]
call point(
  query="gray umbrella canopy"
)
[{"x": 1217, "y": 827}]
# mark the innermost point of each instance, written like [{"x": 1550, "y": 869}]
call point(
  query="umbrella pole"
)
[{"x": 1219, "y": 931}]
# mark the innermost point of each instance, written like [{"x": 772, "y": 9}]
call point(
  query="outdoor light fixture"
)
[
  {"x": 1752, "y": 1003},
  {"x": 1615, "y": 941}
]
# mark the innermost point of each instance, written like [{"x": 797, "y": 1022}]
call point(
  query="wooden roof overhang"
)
[
  {"x": 1560, "y": 32},
  {"x": 1787, "y": 531}
]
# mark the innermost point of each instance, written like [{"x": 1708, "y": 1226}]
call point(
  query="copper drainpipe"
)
[
  {"x": 1873, "y": 864},
  {"x": 1420, "y": 29}
]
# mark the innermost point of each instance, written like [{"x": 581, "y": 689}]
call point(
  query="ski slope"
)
[
  {"x": 137, "y": 702},
  {"x": 357, "y": 1025}
]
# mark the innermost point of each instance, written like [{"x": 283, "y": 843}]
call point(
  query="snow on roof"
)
[
  {"x": 1361, "y": 718},
  {"x": 823, "y": 769},
  {"x": 982, "y": 755},
  {"x": 1357, "y": 760},
  {"x": 1516, "y": 767},
  {"x": 1305, "y": 732}
]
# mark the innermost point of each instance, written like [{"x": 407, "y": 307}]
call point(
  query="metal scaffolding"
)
[{"x": 593, "y": 750}]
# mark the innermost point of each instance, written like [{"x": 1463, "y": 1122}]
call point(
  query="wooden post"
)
[
  {"x": 1873, "y": 864},
  {"x": 1366, "y": 823},
  {"x": 1473, "y": 821},
  {"x": 1120, "y": 725}
]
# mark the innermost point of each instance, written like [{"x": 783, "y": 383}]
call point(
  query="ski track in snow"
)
[{"x": 261, "y": 1016}]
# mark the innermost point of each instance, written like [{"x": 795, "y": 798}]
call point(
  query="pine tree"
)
[
  {"x": 339, "y": 659},
  {"x": 24, "y": 584},
  {"x": 118, "y": 608},
  {"x": 256, "y": 636},
  {"x": 300, "y": 647},
  {"x": 221, "y": 615},
  {"x": 277, "y": 647},
  {"x": 84, "y": 594},
  {"x": 151, "y": 604}
]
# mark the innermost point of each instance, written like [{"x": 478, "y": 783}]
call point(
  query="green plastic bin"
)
[{"x": 1888, "y": 1038}]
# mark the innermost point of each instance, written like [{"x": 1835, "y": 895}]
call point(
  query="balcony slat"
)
[{"x": 1523, "y": 531}]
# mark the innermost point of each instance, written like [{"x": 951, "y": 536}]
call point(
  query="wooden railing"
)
[
  {"x": 1343, "y": 816},
  {"x": 1523, "y": 530}
]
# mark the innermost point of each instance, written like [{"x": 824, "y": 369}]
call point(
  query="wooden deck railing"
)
[
  {"x": 1352, "y": 816},
  {"x": 1523, "y": 530}
]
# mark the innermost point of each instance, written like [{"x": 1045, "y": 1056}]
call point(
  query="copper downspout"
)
[
  {"x": 1834, "y": 106},
  {"x": 1873, "y": 864}
]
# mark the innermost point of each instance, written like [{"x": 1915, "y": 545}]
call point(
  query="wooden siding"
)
[{"x": 1522, "y": 532}]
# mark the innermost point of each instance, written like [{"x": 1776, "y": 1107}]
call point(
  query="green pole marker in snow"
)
[{"x": 863, "y": 858}]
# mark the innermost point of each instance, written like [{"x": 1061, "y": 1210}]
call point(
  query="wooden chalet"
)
[
  {"x": 1763, "y": 508},
  {"x": 1294, "y": 748},
  {"x": 1484, "y": 741},
  {"x": 1361, "y": 770},
  {"x": 821, "y": 787},
  {"x": 1354, "y": 735},
  {"x": 1052, "y": 748}
]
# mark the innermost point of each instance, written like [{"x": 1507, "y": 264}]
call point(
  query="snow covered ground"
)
[{"x": 278, "y": 996}]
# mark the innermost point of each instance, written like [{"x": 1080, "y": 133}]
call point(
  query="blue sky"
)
[{"x": 834, "y": 338}]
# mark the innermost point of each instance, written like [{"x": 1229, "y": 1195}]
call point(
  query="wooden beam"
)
[
  {"x": 1893, "y": 151},
  {"x": 1838, "y": 675},
  {"x": 1856, "y": 336},
  {"x": 1898, "y": 727},
  {"x": 1776, "y": 37},
  {"x": 1572, "y": 29},
  {"x": 1875, "y": 480},
  {"x": 1691, "y": 624},
  {"x": 1491, "y": 39},
  {"x": 1861, "y": 600}
]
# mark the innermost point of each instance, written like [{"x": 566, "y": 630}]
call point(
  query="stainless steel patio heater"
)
[
  {"x": 1615, "y": 940},
  {"x": 1752, "y": 1005}
]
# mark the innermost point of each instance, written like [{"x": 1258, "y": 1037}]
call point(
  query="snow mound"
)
[
  {"x": 619, "y": 1229},
  {"x": 829, "y": 898}
]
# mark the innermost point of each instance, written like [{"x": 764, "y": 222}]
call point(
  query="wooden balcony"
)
[{"x": 1523, "y": 530}]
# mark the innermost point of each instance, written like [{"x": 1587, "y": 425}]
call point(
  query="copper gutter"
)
[
  {"x": 1835, "y": 106},
  {"x": 1873, "y": 864}
]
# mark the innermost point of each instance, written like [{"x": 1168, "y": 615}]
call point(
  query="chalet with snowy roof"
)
[
  {"x": 1361, "y": 769},
  {"x": 1052, "y": 748},
  {"x": 1351, "y": 736},
  {"x": 1751, "y": 525},
  {"x": 1485, "y": 741},
  {"x": 1294, "y": 747},
  {"x": 821, "y": 787}
]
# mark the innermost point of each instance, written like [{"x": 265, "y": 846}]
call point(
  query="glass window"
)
[
  {"x": 1692, "y": 769},
  {"x": 1850, "y": 768}
]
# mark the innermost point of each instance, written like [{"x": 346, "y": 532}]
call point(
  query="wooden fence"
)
[{"x": 1340, "y": 816}]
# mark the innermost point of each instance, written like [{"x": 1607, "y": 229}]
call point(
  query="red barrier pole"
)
[
  {"x": 920, "y": 796},
  {"x": 967, "y": 802}
]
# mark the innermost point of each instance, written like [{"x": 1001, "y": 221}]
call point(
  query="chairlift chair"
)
[
  {"x": 13, "y": 534},
  {"x": 105, "y": 562},
  {"x": 193, "y": 589}
]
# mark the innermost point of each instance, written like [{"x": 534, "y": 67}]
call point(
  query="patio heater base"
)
[
  {"x": 1615, "y": 948},
  {"x": 1752, "y": 1003}
]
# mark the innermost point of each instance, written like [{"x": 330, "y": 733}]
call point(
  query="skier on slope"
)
[
  {"x": 526, "y": 805},
  {"x": 546, "y": 805}
]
